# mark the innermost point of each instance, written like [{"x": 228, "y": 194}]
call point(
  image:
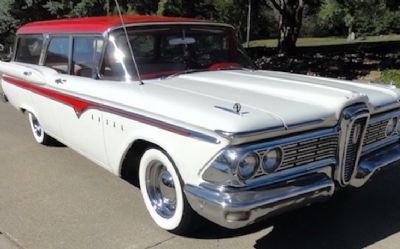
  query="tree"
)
[
  {"x": 8, "y": 23},
  {"x": 14, "y": 14},
  {"x": 194, "y": 9},
  {"x": 290, "y": 21},
  {"x": 29, "y": 10},
  {"x": 78, "y": 8},
  {"x": 145, "y": 7},
  {"x": 361, "y": 17}
]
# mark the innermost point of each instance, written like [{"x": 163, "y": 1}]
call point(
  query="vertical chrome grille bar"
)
[
  {"x": 353, "y": 148},
  {"x": 353, "y": 128}
]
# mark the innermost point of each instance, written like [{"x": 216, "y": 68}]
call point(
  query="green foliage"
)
[
  {"x": 8, "y": 23},
  {"x": 145, "y": 7},
  {"x": 229, "y": 13},
  {"x": 320, "y": 17},
  {"x": 392, "y": 75},
  {"x": 161, "y": 7},
  {"x": 365, "y": 17},
  {"x": 331, "y": 18},
  {"x": 75, "y": 8},
  {"x": 195, "y": 9}
]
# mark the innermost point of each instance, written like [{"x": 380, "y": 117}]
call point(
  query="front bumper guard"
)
[{"x": 239, "y": 207}]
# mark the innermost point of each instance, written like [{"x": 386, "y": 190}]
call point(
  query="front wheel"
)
[
  {"x": 162, "y": 192},
  {"x": 38, "y": 132}
]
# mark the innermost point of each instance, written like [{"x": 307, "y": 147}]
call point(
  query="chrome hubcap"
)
[
  {"x": 37, "y": 128},
  {"x": 161, "y": 189}
]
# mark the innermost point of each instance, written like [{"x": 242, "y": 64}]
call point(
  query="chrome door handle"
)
[{"x": 60, "y": 81}]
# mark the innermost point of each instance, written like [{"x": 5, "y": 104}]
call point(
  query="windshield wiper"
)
[
  {"x": 236, "y": 68},
  {"x": 187, "y": 71}
]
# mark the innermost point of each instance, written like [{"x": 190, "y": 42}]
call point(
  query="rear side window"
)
[
  {"x": 29, "y": 49},
  {"x": 57, "y": 54}
]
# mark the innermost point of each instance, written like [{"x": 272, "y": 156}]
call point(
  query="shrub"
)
[{"x": 391, "y": 75}]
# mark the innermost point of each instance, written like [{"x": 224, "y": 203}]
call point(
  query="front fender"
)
[{"x": 189, "y": 154}]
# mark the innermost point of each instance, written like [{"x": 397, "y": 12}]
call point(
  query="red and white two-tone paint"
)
[{"x": 197, "y": 126}]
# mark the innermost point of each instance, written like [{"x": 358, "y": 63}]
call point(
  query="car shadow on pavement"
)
[{"x": 353, "y": 218}]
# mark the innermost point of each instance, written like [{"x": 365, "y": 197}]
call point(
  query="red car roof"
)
[{"x": 93, "y": 24}]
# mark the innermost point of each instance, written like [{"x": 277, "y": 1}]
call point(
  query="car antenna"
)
[{"x": 129, "y": 44}]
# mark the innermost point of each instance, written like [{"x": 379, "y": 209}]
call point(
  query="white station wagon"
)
[{"x": 176, "y": 106}]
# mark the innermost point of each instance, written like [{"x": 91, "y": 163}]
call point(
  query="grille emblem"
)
[
  {"x": 391, "y": 127},
  {"x": 356, "y": 134}
]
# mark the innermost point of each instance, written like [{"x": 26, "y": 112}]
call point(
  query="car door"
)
[
  {"x": 81, "y": 123},
  {"x": 46, "y": 103}
]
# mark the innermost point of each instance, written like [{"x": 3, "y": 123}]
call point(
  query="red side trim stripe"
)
[
  {"x": 81, "y": 105},
  {"x": 78, "y": 105}
]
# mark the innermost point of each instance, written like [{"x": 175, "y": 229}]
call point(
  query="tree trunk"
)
[
  {"x": 351, "y": 36},
  {"x": 290, "y": 21}
]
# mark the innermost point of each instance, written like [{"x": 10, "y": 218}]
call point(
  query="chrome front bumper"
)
[
  {"x": 374, "y": 162},
  {"x": 239, "y": 207}
]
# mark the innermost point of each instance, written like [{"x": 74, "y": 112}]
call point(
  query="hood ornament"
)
[{"x": 237, "y": 108}]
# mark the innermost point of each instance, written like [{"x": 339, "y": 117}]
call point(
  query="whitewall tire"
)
[
  {"x": 162, "y": 192},
  {"x": 38, "y": 132}
]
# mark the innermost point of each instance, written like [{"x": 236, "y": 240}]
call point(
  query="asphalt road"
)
[{"x": 51, "y": 197}]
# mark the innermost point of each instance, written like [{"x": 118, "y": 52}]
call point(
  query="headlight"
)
[
  {"x": 272, "y": 160},
  {"x": 391, "y": 126},
  {"x": 248, "y": 166}
]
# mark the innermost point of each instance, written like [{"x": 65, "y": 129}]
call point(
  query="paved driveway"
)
[{"x": 51, "y": 197}]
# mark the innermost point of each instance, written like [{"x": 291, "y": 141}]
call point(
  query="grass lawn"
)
[{"x": 325, "y": 41}]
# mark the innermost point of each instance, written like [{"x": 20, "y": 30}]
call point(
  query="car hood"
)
[{"x": 268, "y": 100}]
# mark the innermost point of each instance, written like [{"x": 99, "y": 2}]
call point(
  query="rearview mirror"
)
[{"x": 182, "y": 41}]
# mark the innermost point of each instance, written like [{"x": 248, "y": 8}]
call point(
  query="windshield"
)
[{"x": 165, "y": 51}]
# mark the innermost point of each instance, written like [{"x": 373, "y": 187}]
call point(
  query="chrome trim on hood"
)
[{"x": 270, "y": 132}]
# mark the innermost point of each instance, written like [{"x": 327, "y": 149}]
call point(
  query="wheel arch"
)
[
  {"x": 188, "y": 155},
  {"x": 26, "y": 109},
  {"x": 129, "y": 165}
]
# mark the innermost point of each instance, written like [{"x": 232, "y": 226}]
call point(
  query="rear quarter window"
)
[{"x": 29, "y": 49}]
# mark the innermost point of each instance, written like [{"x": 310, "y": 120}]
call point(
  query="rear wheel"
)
[
  {"x": 38, "y": 132},
  {"x": 162, "y": 192}
]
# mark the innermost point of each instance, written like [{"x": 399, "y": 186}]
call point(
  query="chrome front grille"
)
[
  {"x": 375, "y": 132},
  {"x": 306, "y": 151},
  {"x": 353, "y": 147},
  {"x": 309, "y": 151}
]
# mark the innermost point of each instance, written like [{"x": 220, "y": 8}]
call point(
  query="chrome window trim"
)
[
  {"x": 49, "y": 36},
  {"x": 16, "y": 41},
  {"x": 129, "y": 25},
  {"x": 106, "y": 36}
]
